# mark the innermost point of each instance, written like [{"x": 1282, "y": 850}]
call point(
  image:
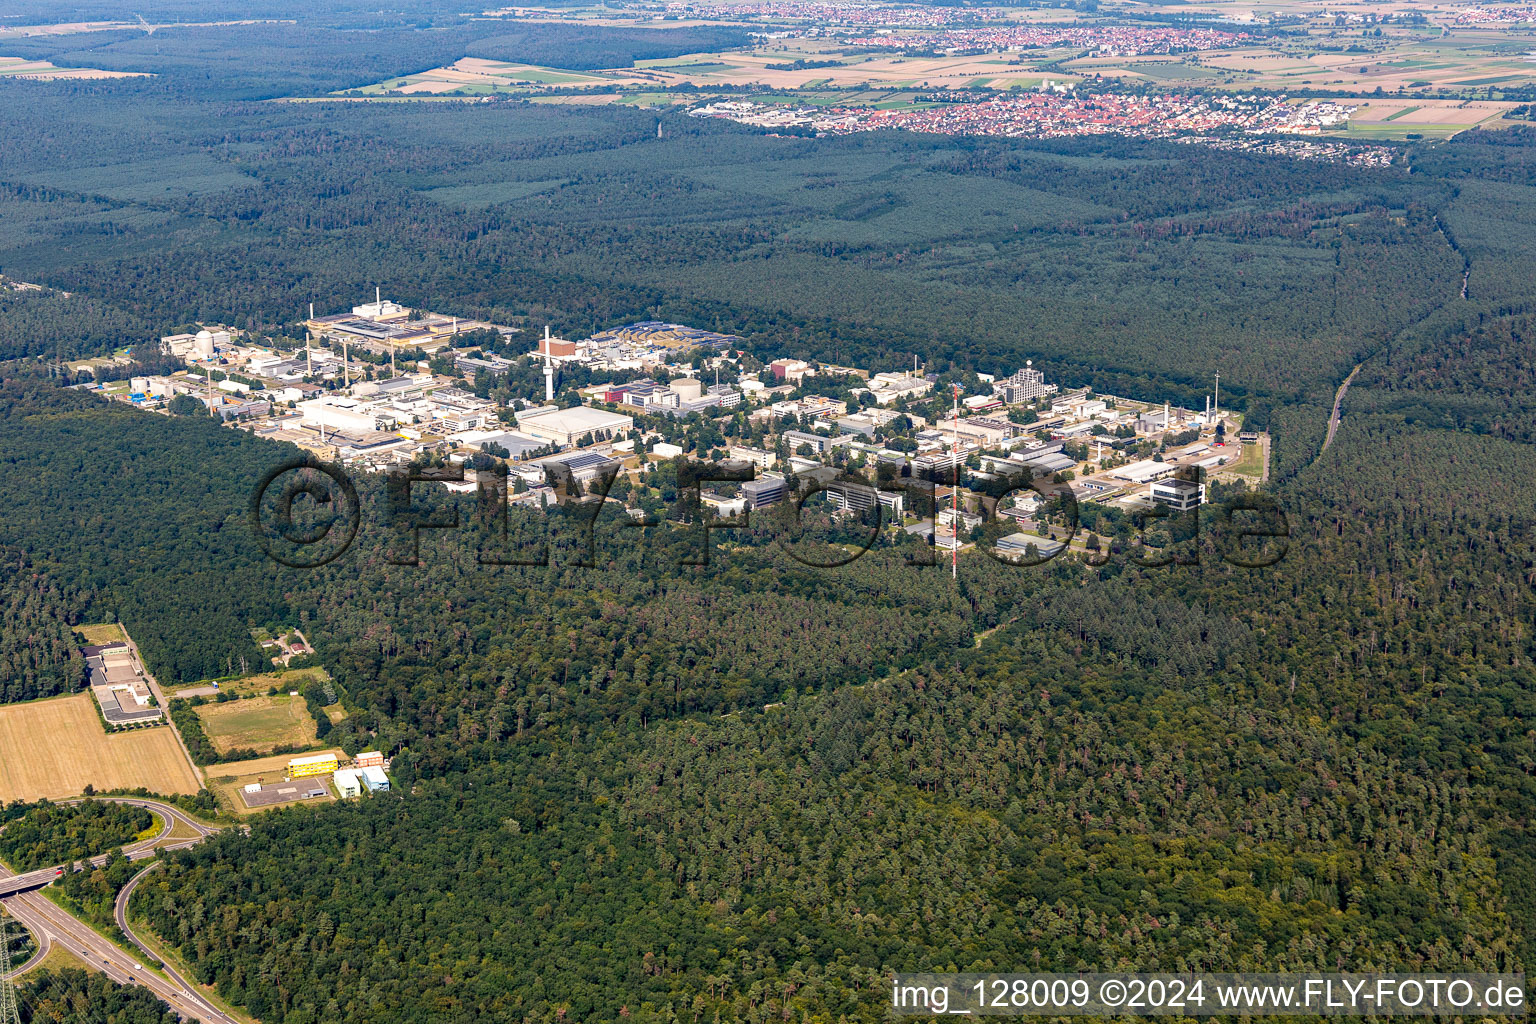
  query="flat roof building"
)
[
  {"x": 566, "y": 427},
  {"x": 374, "y": 779},
  {"x": 764, "y": 492},
  {"x": 1179, "y": 495},
  {"x": 348, "y": 782},
  {"x": 316, "y": 764}
]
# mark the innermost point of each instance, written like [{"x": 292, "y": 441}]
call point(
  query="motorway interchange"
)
[{"x": 52, "y": 925}]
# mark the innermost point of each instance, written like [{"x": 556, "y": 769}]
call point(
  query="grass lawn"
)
[
  {"x": 101, "y": 633},
  {"x": 261, "y": 724},
  {"x": 1251, "y": 463}
]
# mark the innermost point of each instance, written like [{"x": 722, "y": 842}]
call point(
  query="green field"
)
[{"x": 261, "y": 724}]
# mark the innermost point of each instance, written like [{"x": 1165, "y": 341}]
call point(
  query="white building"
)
[
  {"x": 1024, "y": 386},
  {"x": 335, "y": 412},
  {"x": 1179, "y": 495},
  {"x": 202, "y": 345},
  {"x": 375, "y": 779},
  {"x": 568, "y": 426},
  {"x": 687, "y": 388},
  {"x": 349, "y": 782},
  {"x": 893, "y": 387}
]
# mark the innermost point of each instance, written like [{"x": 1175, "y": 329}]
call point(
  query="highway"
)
[
  {"x": 44, "y": 917},
  {"x": 51, "y": 925},
  {"x": 13, "y": 884}
]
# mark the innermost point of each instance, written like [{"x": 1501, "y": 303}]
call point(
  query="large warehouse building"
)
[{"x": 566, "y": 427}]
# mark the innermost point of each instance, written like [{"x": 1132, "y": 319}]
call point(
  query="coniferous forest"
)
[{"x": 751, "y": 790}]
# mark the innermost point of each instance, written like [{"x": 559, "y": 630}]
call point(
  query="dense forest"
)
[
  {"x": 38, "y": 835},
  {"x": 1136, "y": 267},
  {"x": 632, "y": 788},
  {"x": 1310, "y": 765},
  {"x": 74, "y": 996},
  {"x": 39, "y": 654}
]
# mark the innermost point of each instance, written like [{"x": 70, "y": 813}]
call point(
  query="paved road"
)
[
  {"x": 1338, "y": 404},
  {"x": 52, "y": 925},
  {"x": 120, "y": 912},
  {"x": 12, "y": 884},
  {"x": 44, "y": 944},
  {"x": 42, "y": 916}
]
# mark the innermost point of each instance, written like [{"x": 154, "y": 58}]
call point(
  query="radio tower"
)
[
  {"x": 10, "y": 1013},
  {"x": 954, "y": 494}
]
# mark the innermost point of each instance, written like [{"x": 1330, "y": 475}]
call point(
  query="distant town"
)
[
  {"x": 1249, "y": 123},
  {"x": 384, "y": 386}
]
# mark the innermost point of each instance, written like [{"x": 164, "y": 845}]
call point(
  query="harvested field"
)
[{"x": 54, "y": 748}]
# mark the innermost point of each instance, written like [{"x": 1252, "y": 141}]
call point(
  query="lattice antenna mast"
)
[{"x": 10, "y": 1013}]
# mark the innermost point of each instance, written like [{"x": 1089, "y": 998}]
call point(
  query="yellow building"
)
[{"x": 317, "y": 764}]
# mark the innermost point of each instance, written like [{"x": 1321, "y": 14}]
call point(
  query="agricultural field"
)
[
  {"x": 52, "y": 749},
  {"x": 1398, "y": 118},
  {"x": 42, "y": 71},
  {"x": 261, "y": 724},
  {"x": 473, "y": 76}
]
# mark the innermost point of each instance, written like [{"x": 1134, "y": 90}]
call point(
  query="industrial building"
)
[
  {"x": 496, "y": 366},
  {"x": 337, "y": 412},
  {"x": 818, "y": 444},
  {"x": 847, "y": 496},
  {"x": 383, "y": 325},
  {"x": 893, "y": 387},
  {"x": 1145, "y": 471},
  {"x": 584, "y": 467},
  {"x": 566, "y": 427},
  {"x": 118, "y": 684},
  {"x": 1018, "y": 545},
  {"x": 205, "y": 344},
  {"x": 759, "y": 457}
]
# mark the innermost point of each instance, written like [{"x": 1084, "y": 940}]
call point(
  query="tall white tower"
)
[
  {"x": 549, "y": 368},
  {"x": 954, "y": 508}
]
